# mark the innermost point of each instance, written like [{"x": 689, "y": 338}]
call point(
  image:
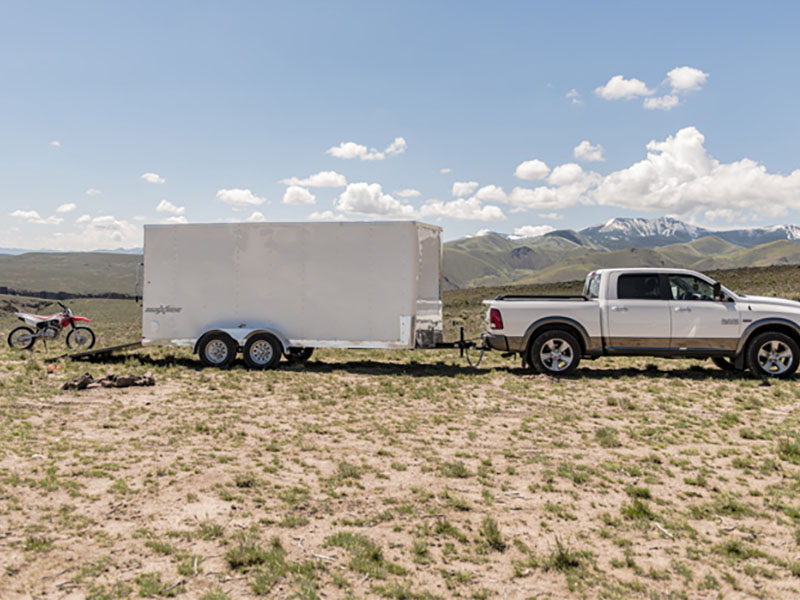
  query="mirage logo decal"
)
[{"x": 162, "y": 310}]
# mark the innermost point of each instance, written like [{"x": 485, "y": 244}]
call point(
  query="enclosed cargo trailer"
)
[{"x": 286, "y": 288}]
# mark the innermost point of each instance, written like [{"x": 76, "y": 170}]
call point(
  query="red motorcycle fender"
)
[{"x": 81, "y": 319}]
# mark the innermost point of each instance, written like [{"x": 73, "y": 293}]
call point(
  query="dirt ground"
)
[{"x": 397, "y": 475}]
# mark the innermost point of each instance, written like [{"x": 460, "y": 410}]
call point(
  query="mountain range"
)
[{"x": 497, "y": 259}]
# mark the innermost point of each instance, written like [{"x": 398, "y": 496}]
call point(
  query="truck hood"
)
[{"x": 762, "y": 301}]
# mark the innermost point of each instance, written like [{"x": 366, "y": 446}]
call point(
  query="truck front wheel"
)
[
  {"x": 555, "y": 352},
  {"x": 773, "y": 354},
  {"x": 217, "y": 350},
  {"x": 262, "y": 351}
]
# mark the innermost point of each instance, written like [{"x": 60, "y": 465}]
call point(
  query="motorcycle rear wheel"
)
[
  {"x": 80, "y": 338},
  {"x": 21, "y": 338}
]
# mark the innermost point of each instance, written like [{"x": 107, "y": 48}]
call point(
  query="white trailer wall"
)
[{"x": 318, "y": 284}]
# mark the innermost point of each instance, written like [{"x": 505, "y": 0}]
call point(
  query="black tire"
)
[
  {"x": 20, "y": 332},
  {"x": 298, "y": 355},
  {"x": 217, "y": 350},
  {"x": 262, "y": 351},
  {"x": 80, "y": 338},
  {"x": 555, "y": 352},
  {"x": 725, "y": 363},
  {"x": 772, "y": 354}
]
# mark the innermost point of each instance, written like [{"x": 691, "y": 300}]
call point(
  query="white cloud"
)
[
  {"x": 349, "y": 150},
  {"x": 566, "y": 174},
  {"x": 93, "y": 192},
  {"x": 321, "y": 179},
  {"x": 667, "y": 102},
  {"x": 588, "y": 152},
  {"x": 103, "y": 232},
  {"x": 491, "y": 193},
  {"x": 175, "y": 220},
  {"x": 468, "y": 209},
  {"x": 239, "y": 197},
  {"x": 551, "y": 216},
  {"x": 32, "y": 216},
  {"x": 573, "y": 96},
  {"x": 327, "y": 215},
  {"x": 369, "y": 199},
  {"x": 531, "y": 169},
  {"x": 408, "y": 193},
  {"x": 153, "y": 178},
  {"x": 529, "y": 231},
  {"x": 256, "y": 217},
  {"x": 165, "y": 206},
  {"x": 686, "y": 78},
  {"x": 55, "y": 144},
  {"x": 618, "y": 87},
  {"x": 66, "y": 208},
  {"x": 464, "y": 188},
  {"x": 83, "y": 219},
  {"x": 445, "y": 170},
  {"x": 298, "y": 195}
]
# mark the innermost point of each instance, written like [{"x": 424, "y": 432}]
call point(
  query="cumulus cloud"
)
[
  {"x": 349, "y": 150},
  {"x": 326, "y": 215},
  {"x": 321, "y": 179},
  {"x": 256, "y": 217},
  {"x": 468, "y": 209},
  {"x": 573, "y": 96},
  {"x": 620, "y": 88},
  {"x": 530, "y": 231},
  {"x": 32, "y": 216},
  {"x": 666, "y": 102},
  {"x": 531, "y": 169},
  {"x": 298, "y": 195},
  {"x": 588, "y": 152},
  {"x": 165, "y": 206},
  {"x": 369, "y": 199},
  {"x": 408, "y": 193},
  {"x": 153, "y": 178},
  {"x": 66, "y": 208},
  {"x": 93, "y": 192},
  {"x": 491, "y": 193},
  {"x": 678, "y": 176},
  {"x": 83, "y": 219},
  {"x": 175, "y": 220},
  {"x": 464, "y": 188},
  {"x": 239, "y": 197},
  {"x": 686, "y": 78},
  {"x": 103, "y": 232}
]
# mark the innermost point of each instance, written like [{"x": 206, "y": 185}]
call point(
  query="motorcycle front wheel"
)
[
  {"x": 80, "y": 338},
  {"x": 22, "y": 338}
]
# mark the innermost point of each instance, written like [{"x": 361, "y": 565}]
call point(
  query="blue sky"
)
[{"x": 117, "y": 114}]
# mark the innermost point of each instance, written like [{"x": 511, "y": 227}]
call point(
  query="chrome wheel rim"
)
[
  {"x": 216, "y": 351},
  {"x": 556, "y": 354},
  {"x": 79, "y": 339},
  {"x": 261, "y": 352},
  {"x": 775, "y": 357}
]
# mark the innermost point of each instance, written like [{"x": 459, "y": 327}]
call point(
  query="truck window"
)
[
  {"x": 593, "y": 286},
  {"x": 639, "y": 286},
  {"x": 689, "y": 287}
]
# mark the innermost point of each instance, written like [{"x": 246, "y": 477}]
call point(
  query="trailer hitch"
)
[{"x": 464, "y": 345}]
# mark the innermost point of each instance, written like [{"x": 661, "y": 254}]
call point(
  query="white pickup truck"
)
[{"x": 671, "y": 313}]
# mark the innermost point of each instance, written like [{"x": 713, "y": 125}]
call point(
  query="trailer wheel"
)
[
  {"x": 217, "y": 350},
  {"x": 555, "y": 353},
  {"x": 262, "y": 351},
  {"x": 298, "y": 355}
]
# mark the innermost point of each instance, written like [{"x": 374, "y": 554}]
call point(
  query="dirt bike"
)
[{"x": 48, "y": 328}]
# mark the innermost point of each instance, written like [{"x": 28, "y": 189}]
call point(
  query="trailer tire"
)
[
  {"x": 555, "y": 352},
  {"x": 298, "y": 355},
  {"x": 217, "y": 350},
  {"x": 262, "y": 351}
]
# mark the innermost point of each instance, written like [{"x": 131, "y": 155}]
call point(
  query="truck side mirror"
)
[{"x": 718, "y": 291}]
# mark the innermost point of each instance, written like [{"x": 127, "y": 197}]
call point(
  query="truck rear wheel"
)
[
  {"x": 217, "y": 350},
  {"x": 555, "y": 352},
  {"x": 773, "y": 354},
  {"x": 262, "y": 351}
]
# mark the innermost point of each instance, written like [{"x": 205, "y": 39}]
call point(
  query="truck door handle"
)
[
  {"x": 619, "y": 308},
  {"x": 682, "y": 309}
]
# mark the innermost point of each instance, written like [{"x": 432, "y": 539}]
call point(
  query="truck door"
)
[
  {"x": 698, "y": 320},
  {"x": 639, "y": 316}
]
